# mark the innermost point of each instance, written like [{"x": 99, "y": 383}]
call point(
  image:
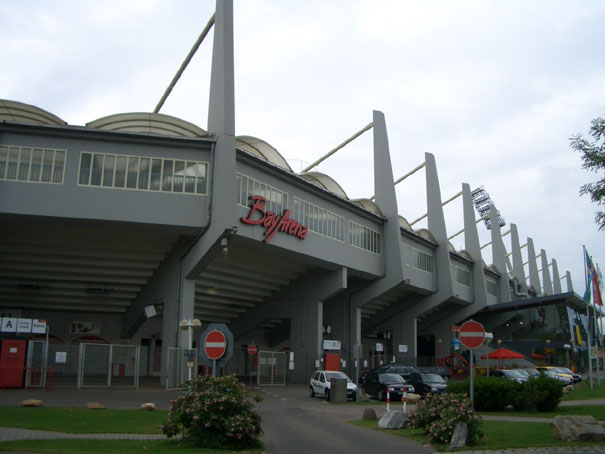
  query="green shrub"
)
[
  {"x": 438, "y": 415},
  {"x": 546, "y": 393},
  {"x": 490, "y": 393},
  {"x": 223, "y": 418}
]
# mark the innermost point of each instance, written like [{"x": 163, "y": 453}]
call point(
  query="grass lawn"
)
[
  {"x": 111, "y": 447},
  {"x": 596, "y": 411},
  {"x": 585, "y": 393},
  {"x": 498, "y": 435},
  {"x": 83, "y": 420}
]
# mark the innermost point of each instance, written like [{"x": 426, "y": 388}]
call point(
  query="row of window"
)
[
  {"x": 491, "y": 287},
  {"x": 277, "y": 201},
  {"x": 364, "y": 238},
  {"x": 462, "y": 276},
  {"x": 146, "y": 174},
  {"x": 319, "y": 220},
  {"x": 36, "y": 165},
  {"x": 417, "y": 259}
]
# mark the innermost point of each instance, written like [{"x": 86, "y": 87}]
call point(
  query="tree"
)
[{"x": 593, "y": 155}]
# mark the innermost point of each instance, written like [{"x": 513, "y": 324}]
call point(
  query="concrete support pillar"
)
[
  {"x": 436, "y": 225},
  {"x": 473, "y": 247},
  {"x": 518, "y": 269},
  {"x": 405, "y": 332},
  {"x": 569, "y": 282},
  {"x": 499, "y": 256},
  {"x": 534, "y": 278},
  {"x": 186, "y": 310},
  {"x": 547, "y": 282},
  {"x": 556, "y": 280}
]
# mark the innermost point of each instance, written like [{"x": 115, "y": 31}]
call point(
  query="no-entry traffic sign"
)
[
  {"x": 471, "y": 334},
  {"x": 252, "y": 349},
  {"x": 215, "y": 344}
]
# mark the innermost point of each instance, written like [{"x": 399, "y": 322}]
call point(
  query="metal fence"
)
[
  {"x": 181, "y": 363},
  {"x": 271, "y": 368},
  {"x": 108, "y": 365}
]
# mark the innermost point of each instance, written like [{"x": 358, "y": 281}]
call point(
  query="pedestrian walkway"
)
[{"x": 12, "y": 434}]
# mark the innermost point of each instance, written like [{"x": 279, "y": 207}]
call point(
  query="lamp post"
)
[
  {"x": 439, "y": 351},
  {"x": 499, "y": 359},
  {"x": 488, "y": 338},
  {"x": 567, "y": 347},
  {"x": 190, "y": 325},
  {"x": 548, "y": 350},
  {"x": 571, "y": 351}
]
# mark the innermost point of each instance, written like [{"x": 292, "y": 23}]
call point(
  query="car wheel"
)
[
  {"x": 327, "y": 394},
  {"x": 312, "y": 392},
  {"x": 381, "y": 395}
]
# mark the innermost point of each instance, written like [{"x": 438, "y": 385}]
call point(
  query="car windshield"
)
[
  {"x": 432, "y": 378},
  {"x": 522, "y": 372},
  {"x": 532, "y": 372},
  {"x": 335, "y": 374},
  {"x": 565, "y": 370},
  {"x": 390, "y": 378}
]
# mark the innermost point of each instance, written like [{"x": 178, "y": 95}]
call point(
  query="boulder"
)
[
  {"x": 31, "y": 403},
  {"x": 459, "y": 436},
  {"x": 94, "y": 406},
  {"x": 149, "y": 406},
  {"x": 369, "y": 415},
  {"x": 366, "y": 397},
  {"x": 577, "y": 428},
  {"x": 393, "y": 420},
  {"x": 413, "y": 398},
  {"x": 568, "y": 389}
]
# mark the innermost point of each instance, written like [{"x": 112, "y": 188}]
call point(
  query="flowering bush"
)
[
  {"x": 223, "y": 418},
  {"x": 438, "y": 415}
]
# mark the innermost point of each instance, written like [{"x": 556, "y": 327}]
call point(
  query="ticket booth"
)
[{"x": 12, "y": 363}]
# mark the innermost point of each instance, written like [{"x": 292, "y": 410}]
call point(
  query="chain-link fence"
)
[
  {"x": 182, "y": 365},
  {"x": 108, "y": 365}
]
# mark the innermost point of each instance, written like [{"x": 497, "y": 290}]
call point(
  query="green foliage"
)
[
  {"x": 593, "y": 155},
  {"x": 223, "y": 418},
  {"x": 495, "y": 394},
  {"x": 438, "y": 415}
]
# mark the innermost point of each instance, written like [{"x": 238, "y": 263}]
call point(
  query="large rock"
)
[
  {"x": 412, "y": 398},
  {"x": 94, "y": 406},
  {"x": 459, "y": 436},
  {"x": 393, "y": 420},
  {"x": 31, "y": 403},
  {"x": 369, "y": 415},
  {"x": 577, "y": 428},
  {"x": 149, "y": 406}
]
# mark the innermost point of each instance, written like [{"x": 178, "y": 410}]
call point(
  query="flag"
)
[
  {"x": 592, "y": 281},
  {"x": 597, "y": 287}
]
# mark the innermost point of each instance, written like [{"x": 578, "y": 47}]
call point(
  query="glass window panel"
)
[
  {"x": 47, "y": 165},
  {"x": 200, "y": 185},
  {"x": 179, "y": 176},
  {"x": 36, "y": 166},
  {"x": 97, "y": 170},
  {"x": 26, "y": 154},
  {"x": 85, "y": 163},
  {"x": 167, "y": 175},
  {"x": 144, "y": 173},
  {"x": 131, "y": 177},
  {"x": 3, "y": 161},
  {"x": 59, "y": 166},
  {"x": 108, "y": 167},
  {"x": 120, "y": 172},
  {"x": 156, "y": 174},
  {"x": 13, "y": 160}
]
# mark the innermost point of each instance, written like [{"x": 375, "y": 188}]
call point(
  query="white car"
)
[{"x": 321, "y": 381}]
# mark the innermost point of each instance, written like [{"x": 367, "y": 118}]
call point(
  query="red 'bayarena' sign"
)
[{"x": 273, "y": 222}]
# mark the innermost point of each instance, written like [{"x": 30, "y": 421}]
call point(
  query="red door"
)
[
  {"x": 332, "y": 361},
  {"x": 12, "y": 363}
]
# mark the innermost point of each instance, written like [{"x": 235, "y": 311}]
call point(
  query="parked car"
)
[
  {"x": 376, "y": 384},
  {"x": 443, "y": 371},
  {"x": 321, "y": 382},
  {"x": 402, "y": 369},
  {"x": 565, "y": 380},
  {"x": 558, "y": 371},
  {"x": 509, "y": 374},
  {"x": 565, "y": 370},
  {"x": 427, "y": 383}
]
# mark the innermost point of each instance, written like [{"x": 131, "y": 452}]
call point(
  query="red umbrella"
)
[
  {"x": 504, "y": 353},
  {"x": 537, "y": 356}
]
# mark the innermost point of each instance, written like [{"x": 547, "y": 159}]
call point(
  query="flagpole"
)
[{"x": 590, "y": 379}]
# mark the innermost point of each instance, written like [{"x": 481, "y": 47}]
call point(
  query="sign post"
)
[
  {"x": 252, "y": 350},
  {"x": 471, "y": 335},
  {"x": 215, "y": 346}
]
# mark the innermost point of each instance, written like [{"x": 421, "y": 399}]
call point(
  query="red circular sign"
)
[
  {"x": 471, "y": 334},
  {"x": 215, "y": 344},
  {"x": 252, "y": 349}
]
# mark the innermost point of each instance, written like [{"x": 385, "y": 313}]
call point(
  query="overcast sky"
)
[{"x": 493, "y": 89}]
